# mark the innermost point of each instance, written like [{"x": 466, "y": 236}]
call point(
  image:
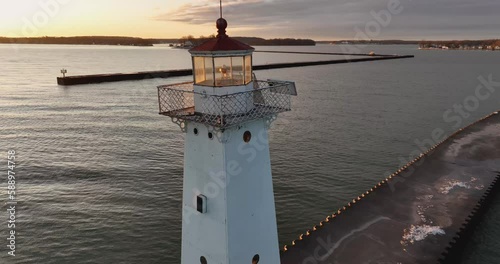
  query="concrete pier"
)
[
  {"x": 423, "y": 213},
  {"x": 117, "y": 77}
]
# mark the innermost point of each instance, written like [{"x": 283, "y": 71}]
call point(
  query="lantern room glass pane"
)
[
  {"x": 248, "y": 69},
  {"x": 203, "y": 71},
  {"x": 229, "y": 71},
  {"x": 238, "y": 73}
]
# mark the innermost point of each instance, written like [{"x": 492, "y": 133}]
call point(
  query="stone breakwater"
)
[{"x": 422, "y": 213}]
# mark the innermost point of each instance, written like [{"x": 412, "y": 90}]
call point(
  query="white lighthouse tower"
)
[{"x": 228, "y": 201}]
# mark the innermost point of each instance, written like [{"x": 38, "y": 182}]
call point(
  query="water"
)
[{"x": 100, "y": 172}]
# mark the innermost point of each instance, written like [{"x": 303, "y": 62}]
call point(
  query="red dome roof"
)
[{"x": 222, "y": 42}]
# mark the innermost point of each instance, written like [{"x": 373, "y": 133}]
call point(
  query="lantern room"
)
[
  {"x": 226, "y": 70},
  {"x": 224, "y": 92},
  {"x": 222, "y": 61}
]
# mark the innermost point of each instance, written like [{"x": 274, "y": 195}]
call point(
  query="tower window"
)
[
  {"x": 256, "y": 259},
  {"x": 247, "y": 136},
  {"x": 195, "y": 131},
  {"x": 203, "y": 260},
  {"x": 201, "y": 204},
  {"x": 210, "y": 135}
]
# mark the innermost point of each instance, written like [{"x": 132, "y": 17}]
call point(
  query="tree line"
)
[
  {"x": 130, "y": 41},
  {"x": 254, "y": 41},
  {"x": 91, "y": 40},
  {"x": 464, "y": 44}
]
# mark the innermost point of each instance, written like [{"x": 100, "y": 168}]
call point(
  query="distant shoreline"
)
[
  {"x": 91, "y": 40},
  {"x": 492, "y": 45},
  {"x": 371, "y": 42},
  {"x": 477, "y": 49},
  {"x": 189, "y": 41},
  {"x": 140, "y": 42},
  {"x": 488, "y": 44}
]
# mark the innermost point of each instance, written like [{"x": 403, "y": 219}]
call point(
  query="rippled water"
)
[{"x": 100, "y": 172}]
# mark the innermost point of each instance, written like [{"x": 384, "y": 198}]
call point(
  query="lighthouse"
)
[{"x": 228, "y": 209}]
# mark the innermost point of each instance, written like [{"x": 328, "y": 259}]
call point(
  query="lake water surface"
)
[{"x": 100, "y": 172}]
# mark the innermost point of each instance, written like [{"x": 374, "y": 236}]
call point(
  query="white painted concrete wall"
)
[{"x": 236, "y": 178}]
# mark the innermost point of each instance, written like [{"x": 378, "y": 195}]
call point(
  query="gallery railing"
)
[{"x": 182, "y": 103}]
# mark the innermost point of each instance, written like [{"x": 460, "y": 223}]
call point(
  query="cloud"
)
[
  {"x": 339, "y": 18},
  {"x": 255, "y": 12}
]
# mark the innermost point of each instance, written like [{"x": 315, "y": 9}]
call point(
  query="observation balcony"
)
[{"x": 222, "y": 111}]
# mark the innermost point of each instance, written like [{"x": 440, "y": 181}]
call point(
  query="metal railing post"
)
[
  {"x": 159, "y": 100},
  {"x": 221, "y": 112}
]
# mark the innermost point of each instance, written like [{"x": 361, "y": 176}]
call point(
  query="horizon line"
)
[{"x": 330, "y": 40}]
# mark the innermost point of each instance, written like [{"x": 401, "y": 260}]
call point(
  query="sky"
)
[{"x": 315, "y": 19}]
